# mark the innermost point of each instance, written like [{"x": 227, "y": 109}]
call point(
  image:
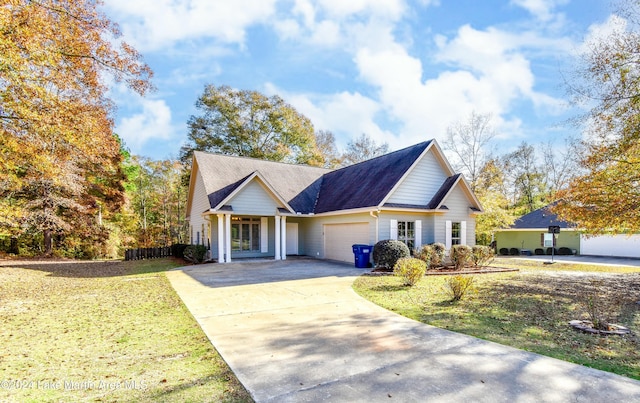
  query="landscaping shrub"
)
[
  {"x": 195, "y": 253},
  {"x": 177, "y": 250},
  {"x": 482, "y": 255},
  {"x": 514, "y": 251},
  {"x": 386, "y": 253},
  {"x": 457, "y": 286},
  {"x": 437, "y": 257},
  {"x": 565, "y": 251},
  {"x": 554, "y": 250},
  {"x": 461, "y": 255},
  {"x": 424, "y": 254},
  {"x": 539, "y": 251},
  {"x": 410, "y": 269},
  {"x": 504, "y": 251}
]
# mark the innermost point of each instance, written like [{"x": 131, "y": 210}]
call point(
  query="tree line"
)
[{"x": 70, "y": 187}]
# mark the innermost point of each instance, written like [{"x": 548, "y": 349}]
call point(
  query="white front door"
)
[{"x": 292, "y": 238}]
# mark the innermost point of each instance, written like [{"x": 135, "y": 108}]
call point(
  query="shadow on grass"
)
[{"x": 95, "y": 269}]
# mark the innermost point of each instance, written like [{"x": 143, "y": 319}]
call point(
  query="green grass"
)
[
  {"x": 529, "y": 310},
  {"x": 525, "y": 264},
  {"x": 104, "y": 331}
]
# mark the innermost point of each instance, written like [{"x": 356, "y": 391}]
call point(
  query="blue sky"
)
[{"x": 400, "y": 71}]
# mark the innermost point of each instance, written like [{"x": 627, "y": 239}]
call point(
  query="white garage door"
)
[
  {"x": 616, "y": 245},
  {"x": 338, "y": 239}
]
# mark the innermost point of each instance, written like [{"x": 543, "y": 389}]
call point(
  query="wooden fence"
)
[{"x": 147, "y": 253}]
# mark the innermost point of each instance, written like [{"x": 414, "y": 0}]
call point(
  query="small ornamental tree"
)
[{"x": 386, "y": 253}]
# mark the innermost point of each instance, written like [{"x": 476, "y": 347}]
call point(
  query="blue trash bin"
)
[{"x": 361, "y": 255}]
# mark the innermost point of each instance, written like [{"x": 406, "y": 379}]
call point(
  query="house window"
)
[
  {"x": 245, "y": 234},
  {"x": 455, "y": 233},
  {"x": 407, "y": 233}
]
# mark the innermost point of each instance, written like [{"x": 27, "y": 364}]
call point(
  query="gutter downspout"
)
[{"x": 371, "y": 213}]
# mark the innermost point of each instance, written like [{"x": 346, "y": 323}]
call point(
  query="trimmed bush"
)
[
  {"x": 410, "y": 269},
  {"x": 461, "y": 255},
  {"x": 424, "y": 254},
  {"x": 539, "y": 251},
  {"x": 565, "y": 251},
  {"x": 482, "y": 255},
  {"x": 551, "y": 251},
  {"x": 504, "y": 251},
  {"x": 386, "y": 253},
  {"x": 457, "y": 286},
  {"x": 514, "y": 251},
  {"x": 195, "y": 253},
  {"x": 437, "y": 257}
]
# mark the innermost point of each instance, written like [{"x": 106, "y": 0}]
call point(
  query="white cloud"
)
[
  {"x": 152, "y": 123},
  {"x": 346, "y": 114},
  {"x": 541, "y": 9},
  {"x": 159, "y": 24}
]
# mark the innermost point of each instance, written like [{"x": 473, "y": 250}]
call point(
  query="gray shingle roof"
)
[
  {"x": 540, "y": 218},
  {"x": 367, "y": 183},
  {"x": 222, "y": 174},
  {"x": 317, "y": 190}
]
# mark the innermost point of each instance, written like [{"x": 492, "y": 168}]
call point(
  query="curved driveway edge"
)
[{"x": 295, "y": 331}]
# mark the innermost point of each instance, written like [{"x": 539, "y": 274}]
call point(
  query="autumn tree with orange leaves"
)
[
  {"x": 605, "y": 196},
  {"x": 59, "y": 158}
]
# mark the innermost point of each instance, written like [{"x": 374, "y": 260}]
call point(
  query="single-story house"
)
[
  {"x": 527, "y": 235},
  {"x": 242, "y": 207}
]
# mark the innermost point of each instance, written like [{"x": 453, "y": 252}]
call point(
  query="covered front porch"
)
[{"x": 245, "y": 236}]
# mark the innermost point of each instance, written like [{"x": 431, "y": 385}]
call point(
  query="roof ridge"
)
[{"x": 214, "y": 154}]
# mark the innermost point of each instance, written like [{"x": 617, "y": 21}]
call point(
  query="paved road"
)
[
  {"x": 295, "y": 331},
  {"x": 599, "y": 260}
]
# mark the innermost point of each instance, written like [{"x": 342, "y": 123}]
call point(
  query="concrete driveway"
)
[{"x": 295, "y": 331}]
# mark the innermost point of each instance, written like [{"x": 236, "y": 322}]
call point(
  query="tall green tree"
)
[
  {"x": 250, "y": 124},
  {"x": 491, "y": 190},
  {"x": 59, "y": 157},
  {"x": 526, "y": 178},
  {"x": 605, "y": 199}
]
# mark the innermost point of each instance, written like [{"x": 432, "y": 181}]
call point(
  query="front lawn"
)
[
  {"x": 104, "y": 331},
  {"x": 529, "y": 310}
]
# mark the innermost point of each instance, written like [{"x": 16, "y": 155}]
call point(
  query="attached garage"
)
[
  {"x": 611, "y": 245},
  {"x": 338, "y": 239}
]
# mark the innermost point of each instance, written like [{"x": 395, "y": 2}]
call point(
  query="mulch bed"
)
[{"x": 446, "y": 271}]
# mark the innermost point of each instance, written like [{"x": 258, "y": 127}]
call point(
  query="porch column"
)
[
  {"x": 277, "y": 238},
  {"x": 227, "y": 244},
  {"x": 221, "y": 242},
  {"x": 283, "y": 244}
]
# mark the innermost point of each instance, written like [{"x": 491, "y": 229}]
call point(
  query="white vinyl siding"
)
[
  {"x": 458, "y": 211},
  {"x": 418, "y": 234},
  {"x": 421, "y": 184},
  {"x": 199, "y": 205},
  {"x": 254, "y": 199}
]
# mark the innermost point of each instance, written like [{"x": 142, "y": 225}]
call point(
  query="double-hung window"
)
[
  {"x": 456, "y": 231},
  {"x": 407, "y": 233}
]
